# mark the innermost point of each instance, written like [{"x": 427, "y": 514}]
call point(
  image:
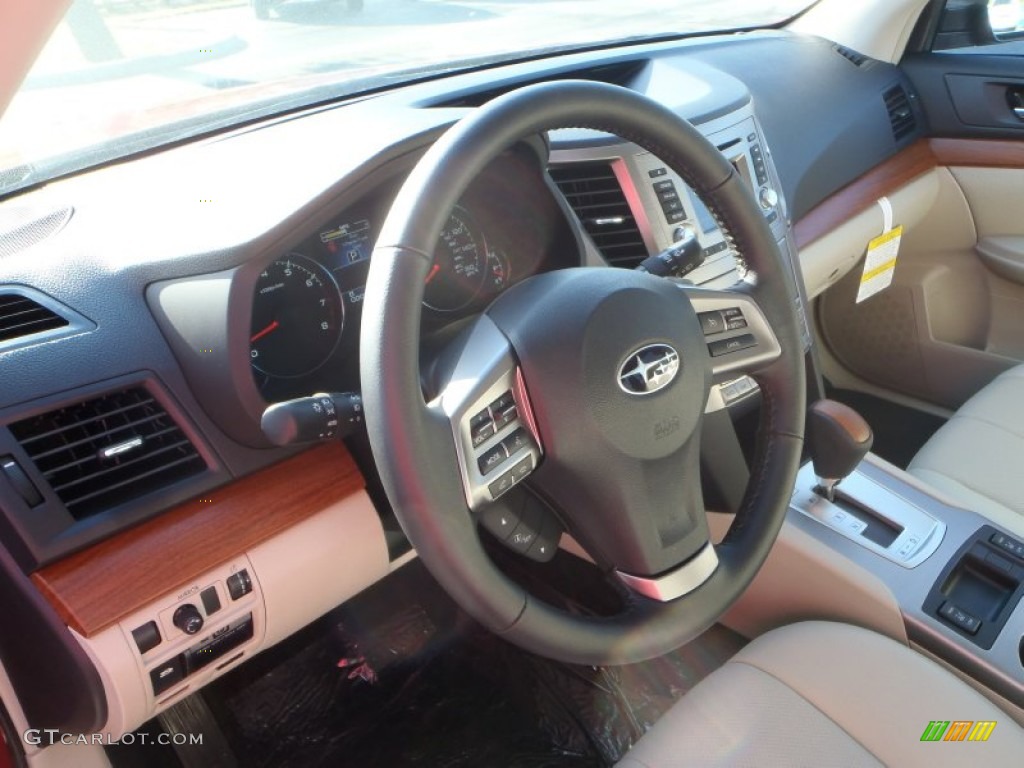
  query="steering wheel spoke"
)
[
  {"x": 738, "y": 335},
  {"x": 492, "y": 423}
]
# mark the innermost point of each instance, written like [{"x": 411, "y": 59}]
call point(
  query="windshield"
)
[{"x": 119, "y": 76}]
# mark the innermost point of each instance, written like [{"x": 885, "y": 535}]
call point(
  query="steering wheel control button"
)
[
  {"x": 168, "y": 674},
  {"x": 502, "y": 485},
  {"x": 500, "y": 522},
  {"x": 546, "y": 543},
  {"x": 711, "y": 323},
  {"x": 505, "y": 417},
  {"x": 211, "y": 601},
  {"x": 735, "y": 344},
  {"x": 481, "y": 428},
  {"x": 239, "y": 584},
  {"x": 147, "y": 637},
  {"x": 492, "y": 459},
  {"x": 517, "y": 441},
  {"x": 959, "y": 618},
  {"x": 188, "y": 619},
  {"x": 734, "y": 319},
  {"x": 505, "y": 483}
]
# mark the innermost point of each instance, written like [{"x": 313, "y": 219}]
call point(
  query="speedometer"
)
[
  {"x": 460, "y": 264},
  {"x": 297, "y": 317}
]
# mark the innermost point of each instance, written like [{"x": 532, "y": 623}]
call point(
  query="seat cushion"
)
[
  {"x": 825, "y": 694},
  {"x": 977, "y": 457}
]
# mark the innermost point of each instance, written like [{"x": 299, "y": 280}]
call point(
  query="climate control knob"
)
[{"x": 188, "y": 619}]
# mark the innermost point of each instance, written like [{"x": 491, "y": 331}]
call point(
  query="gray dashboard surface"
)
[{"x": 243, "y": 197}]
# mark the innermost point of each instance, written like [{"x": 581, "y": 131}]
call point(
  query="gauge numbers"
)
[{"x": 297, "y": 318}]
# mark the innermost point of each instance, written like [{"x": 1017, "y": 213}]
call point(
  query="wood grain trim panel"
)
[
  {"x": 918, "y": 158},
  {"x": 96, "y": 587},
  {"x": 861, "y": 194},
  {"x": 978, "y": 153}
]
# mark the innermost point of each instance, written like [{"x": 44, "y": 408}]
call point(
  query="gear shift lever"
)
[{"x": 838, "y": 438}]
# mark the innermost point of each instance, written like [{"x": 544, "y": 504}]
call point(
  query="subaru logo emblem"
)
[{"x": 649, "y": 369}]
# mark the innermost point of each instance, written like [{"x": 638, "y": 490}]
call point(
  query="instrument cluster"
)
[{"x": 307, "y": 303}]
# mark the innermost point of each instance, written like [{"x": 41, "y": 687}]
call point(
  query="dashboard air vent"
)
[
  {"x": 594, "y": 193},
  {"x": 108, "y": 450},
  {"x": 23, "y": 228},
  {"x": 901, "y": 116},
  {"x": 21, "y": 316},
  {"x": 857, "y": 59}
]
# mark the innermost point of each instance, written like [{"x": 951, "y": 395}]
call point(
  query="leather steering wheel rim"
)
[{"x": 412, "y": 441}]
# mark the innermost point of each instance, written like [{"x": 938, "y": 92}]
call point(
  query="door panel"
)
[
  {"x": 968, "y": 93},
  {"x": 948, "y": 324}
]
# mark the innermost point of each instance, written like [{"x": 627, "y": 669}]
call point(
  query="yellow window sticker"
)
[{"x": 880, "y": 264}]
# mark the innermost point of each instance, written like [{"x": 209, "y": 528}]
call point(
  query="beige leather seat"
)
[
  {"x": 824, "y": 694},
  {"x": 977, "y": 457}
]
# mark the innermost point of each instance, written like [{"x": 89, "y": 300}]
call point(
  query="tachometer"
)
[
  {"x": 460, "y": 265},
  {"x": 297, "y": 317}
]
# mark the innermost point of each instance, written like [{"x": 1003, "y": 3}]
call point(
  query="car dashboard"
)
[{"x": 182, "y": 292}]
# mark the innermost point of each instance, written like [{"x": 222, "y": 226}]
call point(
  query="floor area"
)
[{"x": 400, "y": 676}]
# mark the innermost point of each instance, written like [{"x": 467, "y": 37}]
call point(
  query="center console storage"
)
[
  {"x": 980, "y": 587},
  {"x": 959, "y": 588}
]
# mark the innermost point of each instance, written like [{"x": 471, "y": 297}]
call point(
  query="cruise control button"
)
[
  {"x": 711, "y": 323},
  {"x": 735, "y": 323},
  {"x": 517, "y": 441},
  {"x": 492, "y": 459},
  {"x": 728, "y": 346}
]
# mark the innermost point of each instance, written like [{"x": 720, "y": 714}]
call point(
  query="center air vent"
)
[
  {"x": 109, "y": 450},
  {"x": 595, "y": 195},
  {"x": 21, "y": 316},
  {"x": 901, "y": 116}
]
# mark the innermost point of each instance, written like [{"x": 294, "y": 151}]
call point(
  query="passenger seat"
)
[{"x": 977, "y": 457}]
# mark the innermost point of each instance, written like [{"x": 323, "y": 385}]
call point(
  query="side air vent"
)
[
  {"x": 21, "y": 316},
  {"x": 855, "y": 58},
  {"x": 594, "y": 193},
  {"x": 901, "y": 116},
  {"x": 108, "y": 450}
]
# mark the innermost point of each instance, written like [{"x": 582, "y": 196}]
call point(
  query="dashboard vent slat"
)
[
  {"x": 21, "y": 316},
  {"x": 108, "y": 450},
  {"x": 901, "y": 115},
  {"x": 594, "y": 193}
]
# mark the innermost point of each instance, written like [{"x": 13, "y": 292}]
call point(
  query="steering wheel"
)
[{"x": 576, "y": 399}]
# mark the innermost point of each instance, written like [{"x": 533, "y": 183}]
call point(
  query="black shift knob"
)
[{"x": 838, "y": 438}]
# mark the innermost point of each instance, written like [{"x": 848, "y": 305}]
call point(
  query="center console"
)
[{"x": 957, "y": 578}]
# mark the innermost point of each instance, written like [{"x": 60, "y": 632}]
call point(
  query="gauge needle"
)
[
  {"x": 264, "y": 332},
  {"x": 433, "y": 273}
]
